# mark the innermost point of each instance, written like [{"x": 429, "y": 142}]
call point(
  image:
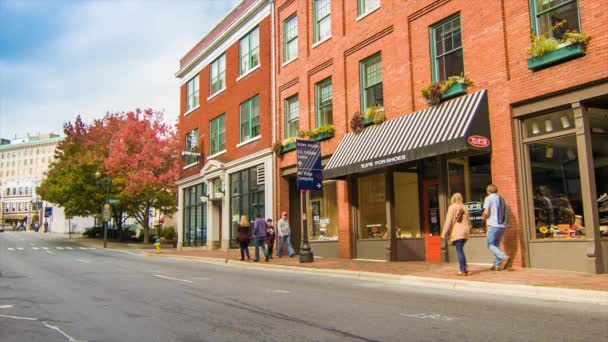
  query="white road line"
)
[
  {"x": 20, "y": 248},
  {"x": 35, "y": 248},
  {"x": 6, "y": 306},
  {"x": 11, "y": 249},
  {"x": 45, "y": 248},
  {"x": 69, "y": 248},
  {"x": 92, "y": 248},
  {"x": 83, "y": 260},
  {"x": 176, "y": 279},
  {"x": 56, "y": 328},
  {"x": 430, "y": 316},
  {"x": 201, "y": 278},
  {"x": 49, "y": 252},
  {"x": 82, "y": 248},
  {"x": 282, "y": 291},
  {"x": 21, "y": 318},
  {"x": 59, "y": 247},
  {"x": 117, "y": 250}
]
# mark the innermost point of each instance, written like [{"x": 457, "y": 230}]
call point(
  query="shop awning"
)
[
  {"x": 13, "y": 216},
  {"x": 457, "y": 125}
]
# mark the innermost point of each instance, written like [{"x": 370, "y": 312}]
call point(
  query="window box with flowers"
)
[
  {"x": 321, "y": 133},
  {"x": 545, "y": 52},
  {"x": 437, "y": 92},
  {"x": 285, "y": 145},
  {"x": 374, "y": 115}
]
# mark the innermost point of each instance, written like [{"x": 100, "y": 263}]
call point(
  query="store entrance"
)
[{"x": 432, "y": 227}]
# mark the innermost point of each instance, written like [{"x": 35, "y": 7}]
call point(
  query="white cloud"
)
[{"x": 108, "y": 56}]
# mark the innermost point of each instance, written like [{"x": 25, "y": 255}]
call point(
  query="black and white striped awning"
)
[{"x": 456, "y": 125}]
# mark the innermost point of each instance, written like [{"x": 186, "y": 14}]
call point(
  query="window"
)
[
  {"x": 446, "y": 49},
  {"x": 246, "y": 198},
  {"x": 217, "y": 134},
  {"x": 407, "y": 206},
  {"x": 553, "y": 18},
  {"x": 323, "y": 100},
  {"x": 371, "y": 82},
  {"x": 366, "y": 6},
  {"x": 290, "y": 39},
  {"x": 249, "y": 51},
  {"x": 324, "y": 207},
  {"x": 217, "y": 75},
  {"x": 191, "y": 146},
  {"x": 598, "y": 120},
  {"x": 372, "y": 207},
  {"x": 322, "y": 20},
  {"x": 195, "y": 216},
  {"x": 191, "y": 97},
  {"x": 250, "y": 118},
  {"x": 292, "y": 117}
]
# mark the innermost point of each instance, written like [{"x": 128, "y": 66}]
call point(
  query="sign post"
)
[{"x": 310, "y": 177}]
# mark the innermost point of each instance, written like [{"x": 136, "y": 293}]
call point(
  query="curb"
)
[{"x": 517, "y": 290}]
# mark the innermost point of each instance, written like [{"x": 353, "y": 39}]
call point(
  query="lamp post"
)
[{"x": 105, "y": 213}]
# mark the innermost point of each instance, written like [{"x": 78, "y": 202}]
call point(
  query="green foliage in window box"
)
[
  {"x": 542, "y": 45},
  {"x": 374, "y": 114},
  {"x": 321, "y": 133},
  {"x": 560, "y": 55},
  {"x": 436, "y": 92},
  {"x": 288, "y": 144}
]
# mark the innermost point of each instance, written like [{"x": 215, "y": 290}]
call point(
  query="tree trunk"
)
[{"x": 146, "y": 225}]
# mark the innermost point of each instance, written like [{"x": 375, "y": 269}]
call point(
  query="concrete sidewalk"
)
[{"x": 533, "y": 283}]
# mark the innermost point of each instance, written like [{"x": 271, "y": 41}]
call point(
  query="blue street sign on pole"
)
[
  {"x": 48, "y": 211},
  {"x": 310, "y": 175}
]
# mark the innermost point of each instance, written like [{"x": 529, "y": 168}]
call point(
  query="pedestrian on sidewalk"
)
[
  {"x": 496, "y": 215},
  {"x": 259, "y": 236},
  {"x": 243, "y": 237},
  {"x": 270, "y": 236},
  {"x": 284, "y": 236},
  {"x": 457, "y": 228}
]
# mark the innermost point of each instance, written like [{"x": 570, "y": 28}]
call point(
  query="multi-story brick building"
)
[
  {"x": 535, "y": 127},
  {"x": 225, "y": 123}
]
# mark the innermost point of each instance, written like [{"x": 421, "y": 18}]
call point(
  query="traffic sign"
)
[
  {"x": 48, "y": 211},
  {"x": 106, "y": 214},
  {"x": 114, "y": 201},
  {"x": 310, "y": 175}
]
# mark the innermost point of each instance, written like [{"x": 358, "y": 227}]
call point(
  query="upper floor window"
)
[
  {"x": 323, "y": 101},
  {"x": 250, "y": 118},
  {"x": 553, "y": 18},
  {"x": 371, "y": 82},
  {"x": 249, "y": 51},
  {"x": 191, "y": 146},
  {"x": 191, "y": 94},
  {"x": 217, "y": 134},
  {"x": 217, "y": 75},
  {"x": 446, "y": 49},
  {"x": 292, "y": 116},
  {"x": 290, "y": 39},
  {"x": 366, "y": 6},
  {"x": 322, "y": 20}
]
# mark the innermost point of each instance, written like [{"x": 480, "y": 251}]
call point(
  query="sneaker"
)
[
  {"x": 267, "y": 258},
  {"x": 494, "y": 268},
  {"x": 503, "y": 263},
  {"x": 291, "y": 255}
]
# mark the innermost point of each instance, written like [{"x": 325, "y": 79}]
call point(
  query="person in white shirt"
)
[{"x": 284, "y": 236}]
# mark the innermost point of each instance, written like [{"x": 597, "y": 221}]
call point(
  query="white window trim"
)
[
  {"x": 368, "y": 13},
  {"x": 249, "y": 141},
  {"x": 321, "y": 42},
  {"x": 190, "y": 165},
  {"x": 192, "y": 110},
  {"x": 216, "y": 94},
  {"x": 249, "y": 72},
  {"x": 289, "y": 61},
  {"x": 216, "y": 154}
]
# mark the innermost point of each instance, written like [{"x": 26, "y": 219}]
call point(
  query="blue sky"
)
[{"x": 61, "y": 58}]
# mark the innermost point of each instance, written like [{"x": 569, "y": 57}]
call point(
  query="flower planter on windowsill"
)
[
  {"x": 322, "y": 136},
  {"x": 368, "y": 121},
  {"x": 560, "y": 55},
  {"x": 288, "y": 147},
  {"x": 454, "y": 91}
]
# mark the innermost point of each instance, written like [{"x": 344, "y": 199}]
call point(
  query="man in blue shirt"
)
[
  {"x": 259, "y": 234},
  {"x": 495, "y": 214}
]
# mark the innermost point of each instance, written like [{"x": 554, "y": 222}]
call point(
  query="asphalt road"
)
[{"x": 49, "y": 292}]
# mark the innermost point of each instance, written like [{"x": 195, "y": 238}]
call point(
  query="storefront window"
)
[
  {"x": 195, "y": 216},
  {"x": 324, "y": 207},
  {"x": 598, "y": 120},
  {"x": 372, "y": 207},
  {"x": 246, "y": 198},
  {"x": 558, "y": 205},
  {"x": 407, "y": 205},
  {"x": 549, "y": 123}
]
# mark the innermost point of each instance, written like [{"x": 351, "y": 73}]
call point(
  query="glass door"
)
[{"x": 432, "y": 225}]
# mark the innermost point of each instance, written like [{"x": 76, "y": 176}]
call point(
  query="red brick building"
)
[
  {"x": 226, "y": 125},
  {"x": 535, "y": 127}
]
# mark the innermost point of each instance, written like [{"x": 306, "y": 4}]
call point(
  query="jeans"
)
[
  {"x": 462, "y": 260},
  {"x": 285, "y": 240},
  {"x": 494, "y": 236},
  {"x": 260, "y": 242},
  {"x": 270, "y": 246},
  {"x": 244, "y": 245}
]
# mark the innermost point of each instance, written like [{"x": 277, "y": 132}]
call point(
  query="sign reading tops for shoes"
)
[{"x": 310, "y": 175}]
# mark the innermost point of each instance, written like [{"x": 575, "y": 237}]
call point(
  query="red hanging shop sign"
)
[{"x": 478, "y": 141}]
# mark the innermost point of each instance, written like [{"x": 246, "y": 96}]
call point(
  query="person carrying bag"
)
[{"x": 456, "y": 230}]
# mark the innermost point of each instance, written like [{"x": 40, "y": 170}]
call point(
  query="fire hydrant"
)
[{"x": 157, "y": 245}]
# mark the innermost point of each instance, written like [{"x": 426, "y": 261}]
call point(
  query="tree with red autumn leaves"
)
[{"x": 139, "y": 153}]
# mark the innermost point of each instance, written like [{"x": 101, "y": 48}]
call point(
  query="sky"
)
[{"x": 63, "y": 58}]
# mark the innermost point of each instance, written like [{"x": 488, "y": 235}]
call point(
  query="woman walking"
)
[
  {"x": 243, "y": 237},
  {"x": 458, "y": 226}
]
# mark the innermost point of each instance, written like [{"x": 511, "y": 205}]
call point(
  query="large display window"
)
[
  {"x": 372, "y": 207},
  {"x": 195, "y": 216},
  {"x": 598, "y": 120},
  {"x": 324, "y": 208},
  {"x": 407, "y": 205},
  {"x": 246, "y": 198}
]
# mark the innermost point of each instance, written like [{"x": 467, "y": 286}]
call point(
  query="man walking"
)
[
  {"x": 495, "y": 213},
  {"x": 259, "y": 235},
  {"x": 284, "y": 233}
]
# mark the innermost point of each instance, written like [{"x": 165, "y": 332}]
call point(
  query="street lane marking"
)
[
  {"x": 430, "y": 316},
  {"x": 20, "y": 248},
  {"x": 170, "y": 278},
  {"x": 69, "y": 248},
  {"x": 35, "y": 248},
  {"x": 11, "y": 249},
  {"x": 45, "y": 248},
  {"x": 201, "y": 278},
  {"x": 281, "y": 291},
  {"x": 82, "y": 247},
  {"x": 49, "y": 252},
  {"x": 83, "y": 260},
  {"x": 56, "y": 328},
  {"x": 6, "y": 306},
  {"x": 21, "y": 318},
  {"x": 59, "y": 247}
]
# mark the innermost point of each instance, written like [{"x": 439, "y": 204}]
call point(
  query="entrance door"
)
[{"x": 432, "y": 227}]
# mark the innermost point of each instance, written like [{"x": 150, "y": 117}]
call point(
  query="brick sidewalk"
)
[{"x": 526, "y": 276}]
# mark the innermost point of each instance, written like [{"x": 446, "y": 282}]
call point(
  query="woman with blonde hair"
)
[
  {"x": 458, "y": 226},
  {"x": 243, "y": 237}
]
